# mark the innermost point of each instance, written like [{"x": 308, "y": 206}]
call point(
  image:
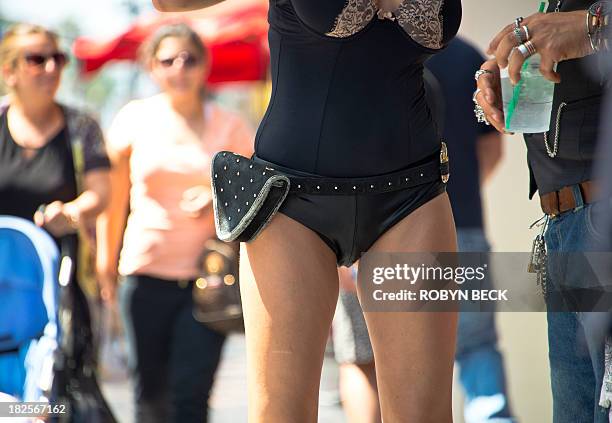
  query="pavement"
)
[{"x": 229, "y": 398}]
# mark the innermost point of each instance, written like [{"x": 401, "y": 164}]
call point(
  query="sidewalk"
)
[{"x": 229, "y": 398}]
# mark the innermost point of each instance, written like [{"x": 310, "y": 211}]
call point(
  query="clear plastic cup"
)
[{"x": 528, "y": 105}]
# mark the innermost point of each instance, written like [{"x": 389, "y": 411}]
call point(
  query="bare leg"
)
[
  {"x": 359, "y": 393},
  {"x": 414, "y": 352},
  {"x": 288, "y": 310}
]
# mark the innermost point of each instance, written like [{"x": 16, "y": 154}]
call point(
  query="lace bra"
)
[{"x": 422, "y": 20}]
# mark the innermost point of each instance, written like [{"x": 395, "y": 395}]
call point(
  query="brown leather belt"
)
[{"x": 557, "y": 202}]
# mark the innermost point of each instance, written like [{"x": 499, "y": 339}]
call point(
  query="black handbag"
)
[
  {"x": 246, "y": 195},
  {"x": 216, "y": 293}
]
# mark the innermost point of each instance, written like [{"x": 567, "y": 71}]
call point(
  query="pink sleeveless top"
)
[{"x": 161, "y": 239}]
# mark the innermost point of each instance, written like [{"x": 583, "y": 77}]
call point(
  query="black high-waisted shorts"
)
[{"x": 350, "y": 223}]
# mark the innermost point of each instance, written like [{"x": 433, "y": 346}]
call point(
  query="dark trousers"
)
[{"x": 173, "y": 357}]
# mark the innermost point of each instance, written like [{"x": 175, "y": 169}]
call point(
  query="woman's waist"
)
[
  {"x": 149, "y": 215},
  {"x": 155, "y": 236},
  {"x": 346, "y": 162},
  {"x": 169, "y": 270},
  {"x": 336, "y": 146},
  {"x": 172, "y": 254},
  {"x": 432, "y": 157},
  {"x": 431, "y": 168}
]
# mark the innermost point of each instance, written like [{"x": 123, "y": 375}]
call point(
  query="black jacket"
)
[{"x": 577, "y": 102}]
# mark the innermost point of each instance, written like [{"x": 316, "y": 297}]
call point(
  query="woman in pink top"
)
[{"x": 161, "y": 148}]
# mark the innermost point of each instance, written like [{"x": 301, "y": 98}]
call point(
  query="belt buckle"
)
[{"x": 443, "y": 161}]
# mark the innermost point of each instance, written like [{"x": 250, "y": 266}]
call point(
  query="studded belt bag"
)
[{"x": 247, "y": 194}]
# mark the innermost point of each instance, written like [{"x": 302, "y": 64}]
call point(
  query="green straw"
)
[{"x": 517, "y": 89}]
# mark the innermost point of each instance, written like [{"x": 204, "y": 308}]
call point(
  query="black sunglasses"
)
[
  {"x": 40, "y": 60},
  {"x": 187, "y": 59}
]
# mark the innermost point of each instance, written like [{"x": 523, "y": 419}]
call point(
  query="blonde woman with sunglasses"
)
[
  {"x": 54, "y": 171},
  {"x": 38, "y": 135}
]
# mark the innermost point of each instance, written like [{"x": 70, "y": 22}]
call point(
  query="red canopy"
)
[{"x": 235, "y": 32}]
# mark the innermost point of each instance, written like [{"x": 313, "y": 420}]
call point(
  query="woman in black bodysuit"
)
[{"x": 347, "y": 102}]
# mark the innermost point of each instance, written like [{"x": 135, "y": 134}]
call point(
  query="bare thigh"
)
[
  {"x": 289, "y": 302},
  {"x": 414, "y": 352}
]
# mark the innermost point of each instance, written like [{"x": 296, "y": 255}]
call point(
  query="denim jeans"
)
[
  {"x": 173, "y": 357},
  {"x": 481, "y": 368},
  {"x": 576, "y": 354}
]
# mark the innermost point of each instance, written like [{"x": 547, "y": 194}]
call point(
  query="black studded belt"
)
[
  {"x": 248, "y": 192},
  {"x": 323, "y": 185}
]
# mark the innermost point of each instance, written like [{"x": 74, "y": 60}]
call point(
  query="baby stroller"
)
[{"x": 46, "y": 351}]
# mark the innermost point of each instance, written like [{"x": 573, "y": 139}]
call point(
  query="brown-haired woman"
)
[{"x": 161, "y": 148}]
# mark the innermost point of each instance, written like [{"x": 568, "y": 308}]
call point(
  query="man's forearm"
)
[{"x": 183, "y": 5}]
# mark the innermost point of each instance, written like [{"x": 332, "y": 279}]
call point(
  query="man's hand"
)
[
  {"x": 556, "y": 36},
  {"x": 490, "y": 97}
]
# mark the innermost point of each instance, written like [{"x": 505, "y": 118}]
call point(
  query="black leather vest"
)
[{"x": 574, "y": 121}]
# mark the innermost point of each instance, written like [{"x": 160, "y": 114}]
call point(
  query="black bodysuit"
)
[
  {"x": 348, "y": 100},
  {"x": 348, "y": 96}
]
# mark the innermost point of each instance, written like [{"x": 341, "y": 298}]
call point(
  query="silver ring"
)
[
  {"x": 524, "y": 28},
  {"x": 523, "y": 50},
  {"x": 518, "y": 36},
  {"x": 481, "y": 72},
  {"x": 481, "y": 117},
  {"x": 518, "y": 21},
  {"x": 531, "y": 48}
]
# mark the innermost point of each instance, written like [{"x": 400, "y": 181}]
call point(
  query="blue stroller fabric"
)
[{"x": 29, "y": 261}]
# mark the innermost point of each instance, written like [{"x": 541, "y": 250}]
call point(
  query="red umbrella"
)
[{"x": 234, "y": 31}]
